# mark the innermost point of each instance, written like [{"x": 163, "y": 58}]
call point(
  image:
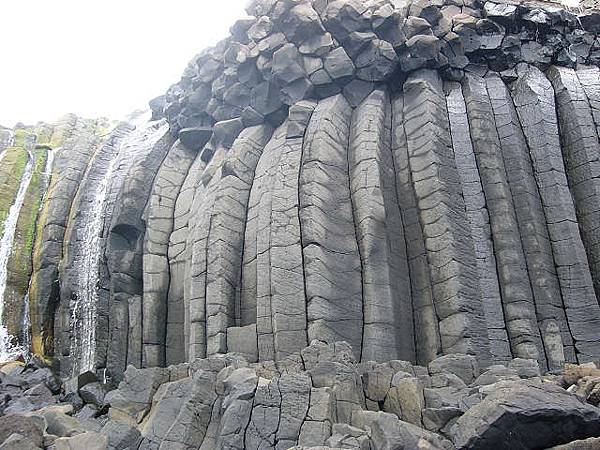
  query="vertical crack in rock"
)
[
  {"x": 332, "y": 262},
  {"x": 443, "y": 217},
  {"x": 159, "y": 218},
  {"x": 288, "y": 301},
  {"x": 426, "y": 319},
  {"x": 146, "y": 148},
  {"x": 195, "y": 267},
  {"x": 387, "y": 303},
  {"x": 260, "y": 207},
  {"x": 533, "y": 97},
  {"x": 517, "y": 295},
  {"x": 479, "y": 220},
  {"x": 581, "y": 151},
  {"x": 589, "y": 77},
  {"x": 532, "y": 226},
  {"x": 219, "y": 234},
  {"x": 177, "y": 338}
]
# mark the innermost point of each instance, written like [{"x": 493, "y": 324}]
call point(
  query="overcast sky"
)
[{"x": 100, "y": 58}]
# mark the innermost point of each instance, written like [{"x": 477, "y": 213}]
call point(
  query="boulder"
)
[
  {"x": 59, "y": 424},
  {"x": 30, "y": 427},
  {"x": 87, "y": 441},
  {"x": 338, "y": 64},
  {"x": 166, "y": 404},
  {"x": 227, "y": 131},
  {"x": 32, "y": 399},
  {"x": 406, "y": 400},
  {"x": 132, "y": 400},
  {"x": 75, "y": 383},
  {"x": 287, "y": 64},
  {"x": 121, "y": 436},
  {"x": 18, "y": 442},
  {"x": 584, "y": 444},
  {"x": 195, "y": 138},
  {"x": 388, "y": 432},
  {"x": 377, "y": 61},
  {"x": 93, "y": 393},
  {"x": 526, "y": 368},
  {"x": 463, "y": 366},
  {"x": 346, "y": 436},
  {"x": 42, "y": 376},
  {"x": 525, "y": 414},
  {"x": 494, "y": 374}
]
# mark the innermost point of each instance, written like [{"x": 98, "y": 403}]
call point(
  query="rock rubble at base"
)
[{"x": 318, "y": 399}]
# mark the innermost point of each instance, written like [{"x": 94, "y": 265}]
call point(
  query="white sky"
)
[{"x": 100, "y": 57}]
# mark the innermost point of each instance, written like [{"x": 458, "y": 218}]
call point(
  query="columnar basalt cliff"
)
[{"x": 412, "y": 182}]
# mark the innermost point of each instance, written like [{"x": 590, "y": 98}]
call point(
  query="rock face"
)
[{"x": 417, "y": 179}]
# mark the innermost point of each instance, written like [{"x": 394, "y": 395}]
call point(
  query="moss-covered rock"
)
[
  {"x": 11, "y": 172},
  {"x": 20, "y": 263}
]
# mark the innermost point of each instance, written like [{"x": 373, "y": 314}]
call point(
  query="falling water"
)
[
  {"x": 26, "y": 332},
  {"x": 84, "y": 306},
  {"x": 9, "y": 349}
]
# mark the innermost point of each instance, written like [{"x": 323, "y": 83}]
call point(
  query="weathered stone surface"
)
[
  {"x": 135, "y": 393},
  {"x": 90, "y": 441},
  {"x": 32, "y": 428},
  {"x": 536, "y": 415},
  {"x": 60, "y": 424},
  {"x": 18, "y": 442}
]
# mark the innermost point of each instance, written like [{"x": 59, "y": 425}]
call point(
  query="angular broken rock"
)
[
  {"x": 30, "y": 427},
  {"x": 525, "y": 414},
  {"x": 195, "y": 138},
  {"x": 87, "y": 441}
]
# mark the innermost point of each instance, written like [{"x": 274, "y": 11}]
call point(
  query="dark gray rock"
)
[
  {"x": 338, "y": 64},
  {"x": 287, "y": 64},
  {"x": 526, "y": 415},
  {"x": 45, "y": 376},
  {"x": 195, "y": 138},
  {"x": 93, "y": 393},
  {"x": 376, "y": 62},
  {"x": 227, "y": 131},
  {"x": 265, "y": 99},
  {"x": 343, "y": 17},
  {"x": 157, "y": 105},
  {"x": 414, "y": 26},
  {"x": 121, "y": 436}
]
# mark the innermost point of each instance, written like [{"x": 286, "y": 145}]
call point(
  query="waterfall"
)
[
  {"x": 6, "y": 141},
  {"x": 84, "y": 303},
  {"x": 9, "y": 349},
  {"x": 26, "y": 331}
]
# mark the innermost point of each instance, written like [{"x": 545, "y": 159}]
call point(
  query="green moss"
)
[
  {"x": 20, "y": 264},
  {"x": 11, "y": 171}
]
